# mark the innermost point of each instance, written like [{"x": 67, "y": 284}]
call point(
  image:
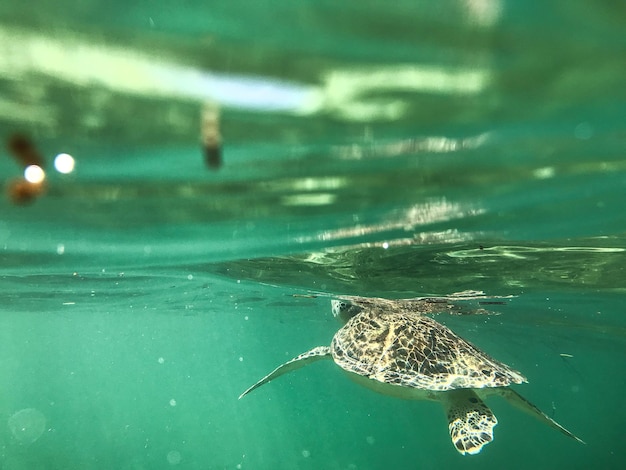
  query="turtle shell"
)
[{"x": 412, "y": 350}]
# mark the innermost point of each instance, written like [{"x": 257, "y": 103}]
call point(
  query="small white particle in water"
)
[
  {"x": 238, "y": 466},
  {"x": 69, "y": 303},
  {"x": 370, "y": 440},
  {"x": 60, "y": 249},
  {"x": 385, "y": 245},
  {"x": 246, "y": 318},
  {"x": 544, "y": 173},
  {"x": 306, "y": 454},
  {"x": 161, "y": 360},
  {"x": 190, "y": 277},
  {"x": 174, "y": 457},
  {"x": 240, "y": 359},
  {"x": 172, "y": 402},
  {"x": 238, "y": 281}
]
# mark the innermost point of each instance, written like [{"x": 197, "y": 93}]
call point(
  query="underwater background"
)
[{"x": 238, "y": 162}]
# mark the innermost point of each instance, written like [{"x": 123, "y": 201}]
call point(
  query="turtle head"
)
[{"x": 344, "y": 309}]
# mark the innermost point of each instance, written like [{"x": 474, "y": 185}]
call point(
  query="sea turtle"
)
[{"x": 391, "y": 347}]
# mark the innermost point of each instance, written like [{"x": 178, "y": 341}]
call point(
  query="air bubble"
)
[
  {"x": 174, "y": 457},
  {"x": 27, "y": 425}
]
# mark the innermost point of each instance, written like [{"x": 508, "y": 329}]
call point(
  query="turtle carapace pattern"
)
[{"x": 393, "y": 348}]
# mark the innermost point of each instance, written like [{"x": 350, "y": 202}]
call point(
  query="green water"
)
[{"x": 380, "y": 149}]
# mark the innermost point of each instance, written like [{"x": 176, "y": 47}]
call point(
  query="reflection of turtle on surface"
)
[{"x": 391, "y": 347}]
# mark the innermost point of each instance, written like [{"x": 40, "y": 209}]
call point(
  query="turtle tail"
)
[
  {"x": 320, "y": 352},
  {"x": 520, "y": 402}
]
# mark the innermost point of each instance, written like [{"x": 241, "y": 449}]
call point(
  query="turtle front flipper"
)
[
  {"x": 470, "y": 420},
  {"x": 303, "y": 359},
  {"x": 520, "y": 402}
]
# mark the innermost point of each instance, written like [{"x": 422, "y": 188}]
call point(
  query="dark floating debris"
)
[
  {"x": 24, "y": 151},
  {"x": 23, "y": 192},
  {"x": 211, "y": 137}
]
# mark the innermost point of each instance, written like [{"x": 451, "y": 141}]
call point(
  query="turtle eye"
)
[{"x": 339, "y": 306}]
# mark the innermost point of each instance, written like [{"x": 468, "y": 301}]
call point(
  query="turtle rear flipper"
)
[
  {"x": 520, "y": 402},
  {"x": 303, "y": 359},
  {"x": 470, "y": 420}
]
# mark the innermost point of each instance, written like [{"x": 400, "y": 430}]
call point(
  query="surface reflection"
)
[
  {"x": 70, "y": 58},
  {"x": 418, "y": 215}
]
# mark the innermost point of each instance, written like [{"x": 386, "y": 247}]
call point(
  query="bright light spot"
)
[
  {"x": 190, "y": 277},
  {"x": 172, "y": 402},
  {"x": 316, "y": 184},
  {"x": 314, "y": 199},
  {"x": 240, "y": 359},
  {"x": 64, "y": 163},
  {"x": 484, "y": 12},
  {"x": 161, "y": 360},
  {"x": 60, "y": 249},
  {"x": 385, "y": 245},
  {"x": 34, "y": 174},
  {"x": 544, "y": 173}
]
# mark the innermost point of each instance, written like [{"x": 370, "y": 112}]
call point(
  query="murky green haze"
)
[{"x": 368, "y": 149}]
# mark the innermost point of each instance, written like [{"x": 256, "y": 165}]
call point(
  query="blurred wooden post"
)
[{"x": 211, "y": 137}]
